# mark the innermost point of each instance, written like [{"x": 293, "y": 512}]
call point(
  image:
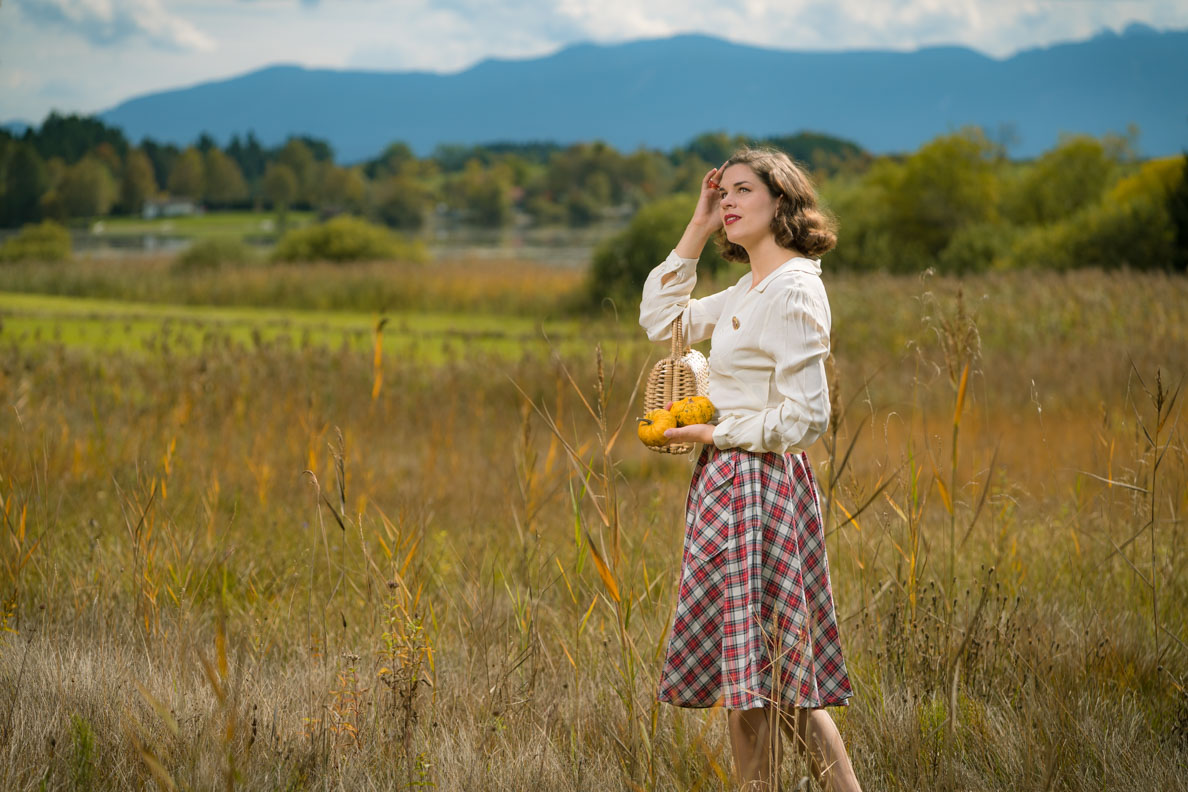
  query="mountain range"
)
[{"x": 662, "y": 92}]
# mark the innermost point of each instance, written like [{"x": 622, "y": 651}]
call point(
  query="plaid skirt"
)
[{"x": 754, "y": 621}]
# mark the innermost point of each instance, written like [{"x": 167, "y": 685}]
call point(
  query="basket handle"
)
[{"x": 678, "y": 338}]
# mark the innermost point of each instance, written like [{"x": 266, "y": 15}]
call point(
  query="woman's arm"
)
[
  {"x": 667, "y": 288},
  {"x": 666, "y": 296}
]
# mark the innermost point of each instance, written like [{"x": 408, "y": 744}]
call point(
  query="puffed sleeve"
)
[
  {"x": 796, "y": 336},
  {"x": 666, "y": 294}
]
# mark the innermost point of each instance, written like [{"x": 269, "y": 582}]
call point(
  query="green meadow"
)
[{"x": 95, "y": 325}]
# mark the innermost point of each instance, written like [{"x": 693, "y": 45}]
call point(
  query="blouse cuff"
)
[
  {"x": 683, "y": 267},
  {"x": 722, "y": 438},
  {"x": 666, "y": 294},
  {"x": 750, "y": 433}
]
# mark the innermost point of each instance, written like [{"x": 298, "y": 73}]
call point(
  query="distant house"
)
[{"x": 170, "y": 207}]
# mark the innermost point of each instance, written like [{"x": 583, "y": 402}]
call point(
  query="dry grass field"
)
[{"x": 255, "y": 561}]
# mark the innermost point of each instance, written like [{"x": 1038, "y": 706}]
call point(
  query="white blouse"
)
[{"x": 768, "y": 349}]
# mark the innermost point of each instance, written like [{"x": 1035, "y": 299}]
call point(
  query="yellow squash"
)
[
  {"x": 651, "y": 427},
  {"x": 693, "y": 410}
]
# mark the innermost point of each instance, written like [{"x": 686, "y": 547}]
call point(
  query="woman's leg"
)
[
  {"x": 812, "y": 731},
  {"x": 755, "y": 743}
]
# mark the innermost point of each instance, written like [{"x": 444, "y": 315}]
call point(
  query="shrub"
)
[
  {"x": 1132, "y": 226},
  {"x": 211, "y": 254},
  {"x": 975, "y": 248},
  {"x": 622, "y": 263},
  {"x": 1177, "y": 212},
  {"x": 346, "y": 239},
  {"x": 46, "y": 241},
  {"x": 1063, "y": 181},
  {"x": 1136, "y": 234}
]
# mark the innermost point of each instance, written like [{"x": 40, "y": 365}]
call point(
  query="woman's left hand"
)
[{"x": 696, "y": 433}]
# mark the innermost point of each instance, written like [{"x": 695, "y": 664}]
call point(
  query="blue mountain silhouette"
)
[{"x": 661, "y": 93}]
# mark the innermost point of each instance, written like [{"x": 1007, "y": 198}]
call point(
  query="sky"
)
[{"x": 85, "y": 56}]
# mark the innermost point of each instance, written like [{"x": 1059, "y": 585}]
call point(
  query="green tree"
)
[
  {"x": 649, "y": 174},
  {"x": 299, "y": 159},
  {"x": 23, "y": 181},
  {"x": 343, "y": 189},
  {"x": 87, "y": 189},
  {"x": 949, "y": 183},
  {"x": 483, "y": 195},
  {"x": 1061, "y": 182},
  {"x": 320, "y": 149},
  {"x": 593, "y": 174},
  {"x": 138, "y": 183},
  {"x": 821, "y": 152},
  {"x": 51, "y": 205},
  {"x": 250, "y": 156},
  {"x": 402, "y": 201},
  {"x": 280, "y": 188},
  {"x": 188, "y": 177},
  {"x": 163, "y": 156},
  {"x": 71, "y": 137},
  {"x": 713, "y": 147},
  {"x": 112, "y": 159},
  {"x": 394, "y": 159},
  {"x": 224, "y": 184},
  {"x": 867, "y": 239}
]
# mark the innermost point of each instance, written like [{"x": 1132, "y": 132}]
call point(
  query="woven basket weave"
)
[{"x": 684, "y": 373}]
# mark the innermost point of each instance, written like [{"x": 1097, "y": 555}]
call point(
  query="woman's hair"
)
[{"x": 798, "y": 223}]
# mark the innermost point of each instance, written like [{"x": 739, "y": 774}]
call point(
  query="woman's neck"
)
[{"x": 766, "y": 257}]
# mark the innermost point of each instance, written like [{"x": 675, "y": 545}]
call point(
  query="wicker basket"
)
[{"x": 684, "y": 373}]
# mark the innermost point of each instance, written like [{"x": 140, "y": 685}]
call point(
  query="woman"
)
[{"x": 755, "y": 629}]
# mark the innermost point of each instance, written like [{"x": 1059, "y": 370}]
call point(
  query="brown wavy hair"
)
[{"x": 799, "y": 224}]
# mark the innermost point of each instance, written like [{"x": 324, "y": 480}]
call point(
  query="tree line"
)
[
  {"x": 78, "y": 168},
  {"x": 957, "y": 204}
]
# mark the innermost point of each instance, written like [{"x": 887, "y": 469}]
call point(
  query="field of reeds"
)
[{"x": 257, "y": 560}]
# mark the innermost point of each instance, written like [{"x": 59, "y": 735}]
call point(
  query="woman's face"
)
[{"x": 746, "y": 206}]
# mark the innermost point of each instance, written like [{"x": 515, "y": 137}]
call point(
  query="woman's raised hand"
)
[
  {"x": 706, "y": 214},
  {"x": 706, "y": 217}
]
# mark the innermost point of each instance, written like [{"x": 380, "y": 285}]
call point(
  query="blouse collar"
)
[{"x": 798, "y": 264}]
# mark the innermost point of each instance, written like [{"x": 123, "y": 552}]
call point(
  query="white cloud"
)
[
  {"x": 998, "y": 27},
  {"x": 105, "y": 22}
]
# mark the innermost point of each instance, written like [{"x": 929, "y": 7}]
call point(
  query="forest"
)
[{"x": 74, "y": 168}]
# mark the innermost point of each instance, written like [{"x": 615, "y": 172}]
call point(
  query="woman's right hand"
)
[
  {"x": 706, "y": 217},
  {"x": 706, "y": 214}
]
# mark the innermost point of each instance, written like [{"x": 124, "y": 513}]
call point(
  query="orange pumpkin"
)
[
  {"x": 652, "y": 426},
  {"x": 693, "y": 410}
]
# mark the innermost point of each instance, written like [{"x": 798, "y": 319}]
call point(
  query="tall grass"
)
[{"x": 287, "y": 566}]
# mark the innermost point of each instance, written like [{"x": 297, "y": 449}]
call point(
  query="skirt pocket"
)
[{"x": 709, "y": 528}]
